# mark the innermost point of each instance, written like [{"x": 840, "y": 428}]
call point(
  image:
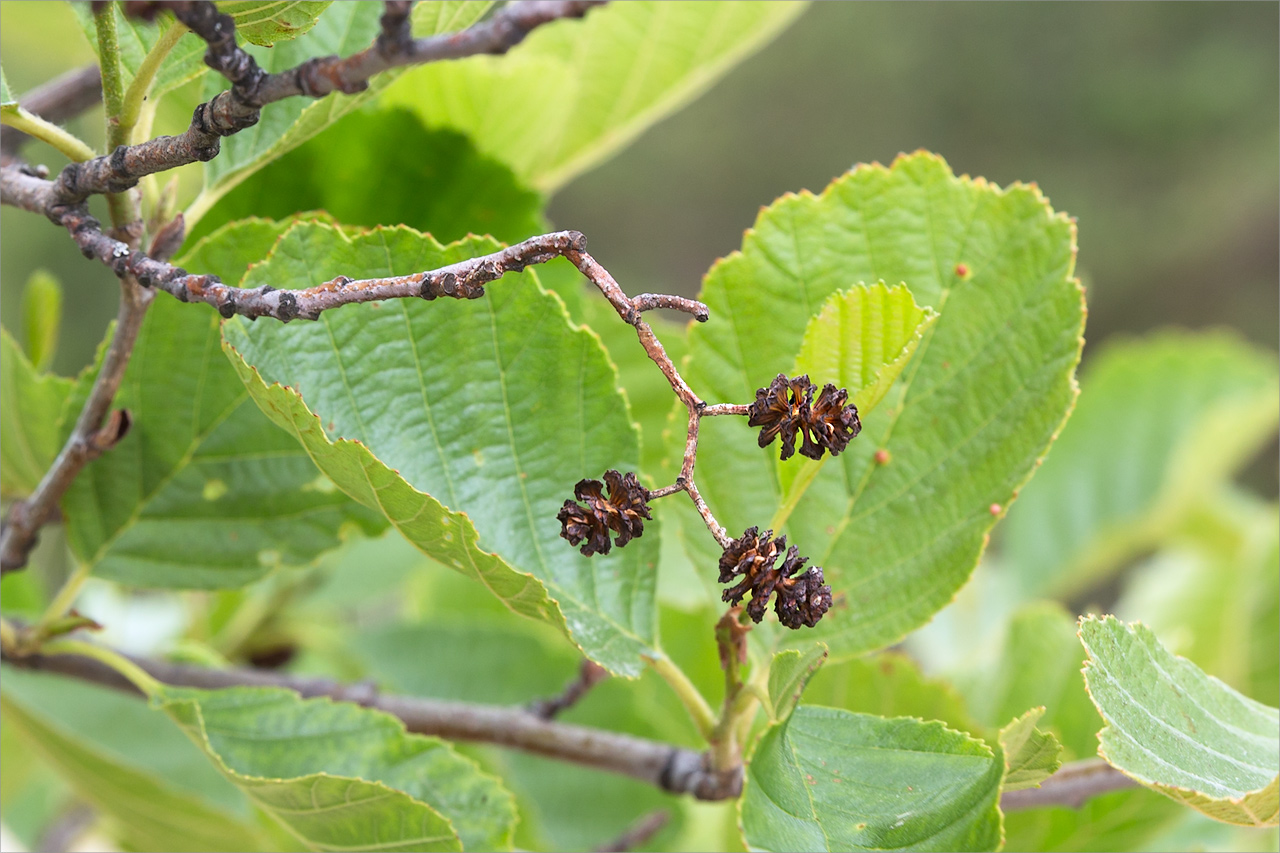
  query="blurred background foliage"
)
[{"x": 1157, "y": 125}]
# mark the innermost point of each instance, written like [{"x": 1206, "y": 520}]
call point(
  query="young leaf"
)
[
  {"x": 344, "y": 29},
  {"x": 339, "y": 776},
  {"x": 494, "y": 407},
  {"x": 144, "y": 812},
  {"x": 30, "y": 406},
  {"x": 897, "y": 532},
  {"x": 1030, "y": 755},
  {"x": 832, "y": 780},
  {"x": 615, "y": 73},
  {"x": 1177, "y": 730},
  {"x": 42, "y": 317},
  {"x": 1165, "y": 420},
  {"x": 861, "y": 340},
  {"x": 202, "y": 466},
  {"x": 789, "y": 674}
]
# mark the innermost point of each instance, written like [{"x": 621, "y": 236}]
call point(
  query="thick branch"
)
[
  {"x": 1072, "y": 786},
  {"x": 252, "y": 88},
  {"x": 62, "y": 98},
  {"x": 671, "y": 768}
]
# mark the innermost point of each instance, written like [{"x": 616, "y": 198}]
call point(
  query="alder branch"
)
[
  {"x": 62, "y": 98},
  {"x": 668, "y": 767},
  {"x": 1074, "y": 784},
  {"x": 240, "y": 107}
]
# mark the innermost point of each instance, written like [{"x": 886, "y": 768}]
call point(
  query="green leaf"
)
[
  {"x": 200, "y": 466},
  {"x": 496, "y": 405},
  {"x": 41, "y": 317},
  {"x": 1122, "y": 820},
  {"x": 889, "y": 684},
  {"x": 344, "y": 29},
  {"x": 1177, "y": 730},
  {"x": 144, "y": 812},
  {"x": 339, "y": 776},
  {"x": 1164, "y": 421},
  {"x": 1040, "y": 665},
  {"x": 265, "y": 22},
  {"x": 30, "y": 407},
  {"x": 613, "y": 74},
  {"x": 1213, "y": 596},
  {"x": 961, "y": 430},
  {"x": 832, "y": 780},
  {"x": 789, "y": 674},
  {"x": 1030, "y": 755},
  {"x": 442, "y": 186}
]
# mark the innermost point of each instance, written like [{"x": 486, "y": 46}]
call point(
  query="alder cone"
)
[
  {"x": 622, "y": 512},
  {"x": 801, "y": 599},
  {"x": 786, "y": 409}
]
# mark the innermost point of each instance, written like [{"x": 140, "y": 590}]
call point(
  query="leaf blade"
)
[
  {"x": 1177, "y": 730},
  {"x": 1030, "y": 755}
]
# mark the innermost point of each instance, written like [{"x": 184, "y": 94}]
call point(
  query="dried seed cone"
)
[
  {"x": 787, "y": 409},
  {"x": 801, "y": 599},
  {"x": 621, "y": 512}
]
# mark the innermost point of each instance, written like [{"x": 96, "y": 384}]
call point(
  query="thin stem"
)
[
  {"x": 699, "y": 711},
  {"x": 64, "y": 97},
  {"x": 104, "y": 22},
  {"x": 65, "y": 597},
  {"x": 136, "y": 94},
  {"x": 68, "y": 143},
  {"x": 136, "y": 674}
]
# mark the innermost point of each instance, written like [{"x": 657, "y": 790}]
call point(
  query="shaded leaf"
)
[
  {"x": 64, "y": 723},
  {"x": 615, "y": 73},
  {"x": 1164, "y": 420},
  {"x": 441, "y": 185},
  {"x": 888, "y": 684},
  {"x": 1030, "y": 755},
  {"x": 897, "y": 533},
  {"x": 30, "y": 407},
  {"x": 1177, "y": 730},
  {"x": 1213, "y": 595},
  {"x": 1039, "y": 665},
  {"x": 42, "y": 317},
  {"x": 344, "y": 29},
  {"x": 833, "y": 780},
  {"x": 201, "y": 466},
  {"x": 496, "y": 405},
  {"x": 1121, "y": 820}
]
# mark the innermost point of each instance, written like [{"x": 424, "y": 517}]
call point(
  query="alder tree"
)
[{"x": 461, "y": 562}]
